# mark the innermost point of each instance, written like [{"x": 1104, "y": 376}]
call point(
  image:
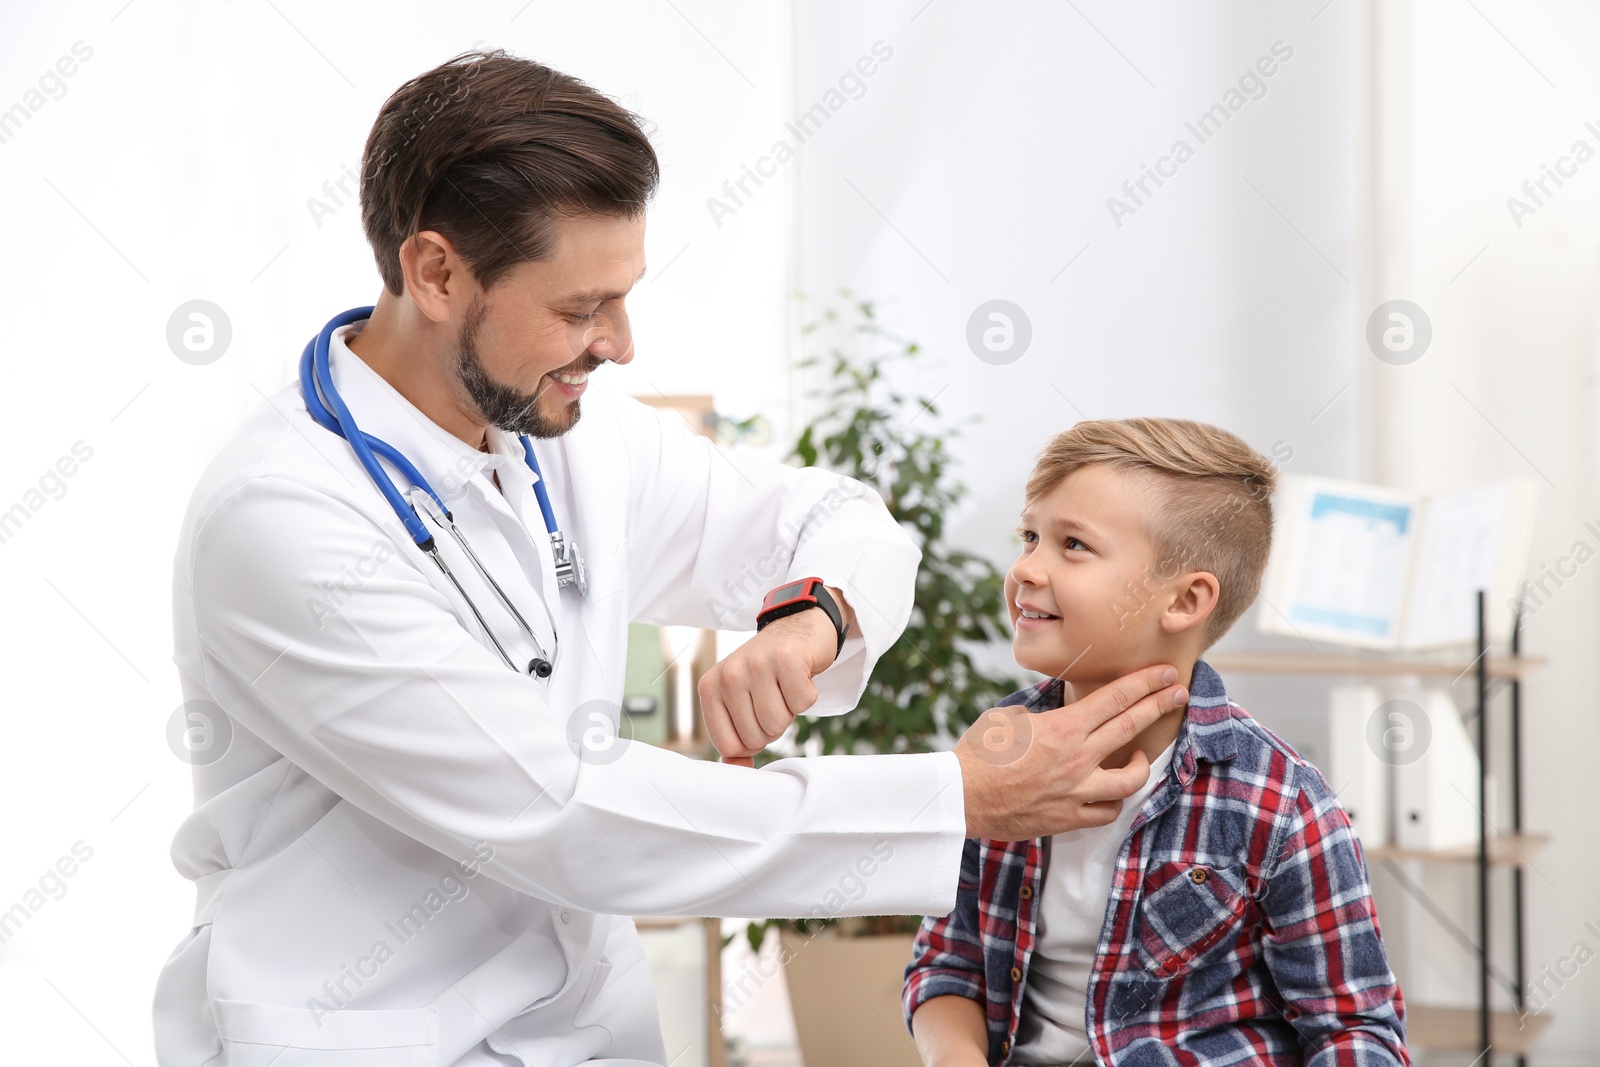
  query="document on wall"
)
[{"x": 1383, "y": 568}]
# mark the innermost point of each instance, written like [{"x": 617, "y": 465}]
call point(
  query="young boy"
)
[{"x": 1225, "y": 916}]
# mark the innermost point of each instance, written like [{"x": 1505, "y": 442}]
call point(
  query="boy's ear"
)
[{"x": 1194, "y": 598}]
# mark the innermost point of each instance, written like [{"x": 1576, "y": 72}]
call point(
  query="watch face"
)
[{"x": 788, "y": 592}]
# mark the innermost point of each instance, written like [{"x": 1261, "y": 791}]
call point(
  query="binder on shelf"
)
[
  {"x": 1436, "y": 794},
  {"x": 1356, "y": 768}
]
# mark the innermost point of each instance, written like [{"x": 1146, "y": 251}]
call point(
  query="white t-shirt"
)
[{"x": 1072, "y": 908}]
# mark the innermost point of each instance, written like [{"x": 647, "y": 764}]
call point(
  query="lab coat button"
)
[{"x": 566, "y": 918}]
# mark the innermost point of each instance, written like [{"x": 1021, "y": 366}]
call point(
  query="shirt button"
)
[
  {"x": 1016, "y": 975},
  {"x": 1005, "y": 1046},
  {"x": 1198, "y": 876},
  {"x": 566, "y": 918},
  {"x": 1027, "y": 892}
]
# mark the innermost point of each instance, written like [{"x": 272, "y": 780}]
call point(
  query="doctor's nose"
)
[{"x": 615, "y": 339}]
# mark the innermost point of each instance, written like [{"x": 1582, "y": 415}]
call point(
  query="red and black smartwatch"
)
[{"x": 798, "y": 596}]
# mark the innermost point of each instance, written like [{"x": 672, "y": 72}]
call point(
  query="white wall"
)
[{"x": 992, "y": 142}]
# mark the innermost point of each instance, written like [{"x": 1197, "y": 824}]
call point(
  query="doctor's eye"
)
[{"x": 576, "y": 317}]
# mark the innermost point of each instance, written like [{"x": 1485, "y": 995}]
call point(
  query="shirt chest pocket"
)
[{"x": 1192, "y": 914}]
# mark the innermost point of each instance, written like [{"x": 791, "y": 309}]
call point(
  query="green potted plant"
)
[{"x": 924, "y": 691}]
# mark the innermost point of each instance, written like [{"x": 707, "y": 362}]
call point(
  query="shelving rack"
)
[{"x": 1480, "y": 1029}]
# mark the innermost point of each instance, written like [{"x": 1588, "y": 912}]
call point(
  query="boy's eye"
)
[
  {"x": 1026, "y": 535},
  {"x": 1074, "y": 541}
]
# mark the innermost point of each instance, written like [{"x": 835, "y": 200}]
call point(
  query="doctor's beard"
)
[{"x": 503, "y": 405}]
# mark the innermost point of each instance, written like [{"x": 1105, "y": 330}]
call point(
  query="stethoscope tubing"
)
[{"x": 316, "y": 384}]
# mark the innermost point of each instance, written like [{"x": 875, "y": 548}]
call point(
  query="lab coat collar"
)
[{"x": 448, "y": 462}]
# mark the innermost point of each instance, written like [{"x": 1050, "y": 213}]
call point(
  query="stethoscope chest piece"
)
[{"x": 569, "y": 564}]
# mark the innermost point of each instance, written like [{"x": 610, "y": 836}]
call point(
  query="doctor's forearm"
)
[{"x": 727, "y": 841}]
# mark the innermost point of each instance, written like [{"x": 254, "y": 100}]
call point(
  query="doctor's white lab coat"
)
[{"x": 409, "y": 853}]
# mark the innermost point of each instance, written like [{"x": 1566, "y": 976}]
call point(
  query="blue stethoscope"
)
[{"x": 316, "y": 382}]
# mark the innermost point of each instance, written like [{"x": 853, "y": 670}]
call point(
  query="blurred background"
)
[{"x": 947, "y": 161}]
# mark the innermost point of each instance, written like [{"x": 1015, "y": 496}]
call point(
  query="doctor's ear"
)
[
  {"x": 1194, "y": 597},
  {"x": 435, "y": 274}
]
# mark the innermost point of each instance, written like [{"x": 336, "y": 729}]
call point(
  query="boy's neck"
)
[{"x": 1153, "y": 739}]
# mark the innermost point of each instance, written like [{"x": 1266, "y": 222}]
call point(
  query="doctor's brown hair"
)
[
  {"x": 489, "y": 150},
  {"x": 1207, "y": 499}
]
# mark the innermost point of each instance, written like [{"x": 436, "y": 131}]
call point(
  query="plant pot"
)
[{"x": 845, "y": 995}]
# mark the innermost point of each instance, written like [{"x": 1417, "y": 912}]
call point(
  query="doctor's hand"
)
[
  {"x": 750, "y": 698},
  {"x": 1028, "y": 774}
]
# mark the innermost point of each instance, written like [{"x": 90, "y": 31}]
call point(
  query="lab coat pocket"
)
[
  {"x": 607, "y": 569},
  {"x": 1191, "y": 915},
  {"x": 255, "y": 1035},
  {"x": 589, "y": 1009}
]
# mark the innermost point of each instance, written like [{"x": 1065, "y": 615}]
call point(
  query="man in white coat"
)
[{"x": 407, "y": 853}]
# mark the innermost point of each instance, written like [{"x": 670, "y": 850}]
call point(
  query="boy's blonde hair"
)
[{"x": 1209, "y": 497}]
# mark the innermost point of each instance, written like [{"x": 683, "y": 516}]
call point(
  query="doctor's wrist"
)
[{"x": 815, "y": 630}]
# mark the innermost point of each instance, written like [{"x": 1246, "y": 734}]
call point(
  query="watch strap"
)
[{"x": 823, "y": 599}]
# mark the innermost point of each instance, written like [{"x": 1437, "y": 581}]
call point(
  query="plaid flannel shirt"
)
[{"x": 1240, "y": 929}]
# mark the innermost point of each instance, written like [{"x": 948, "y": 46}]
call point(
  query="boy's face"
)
[{"x": 1082, "y": 542}]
